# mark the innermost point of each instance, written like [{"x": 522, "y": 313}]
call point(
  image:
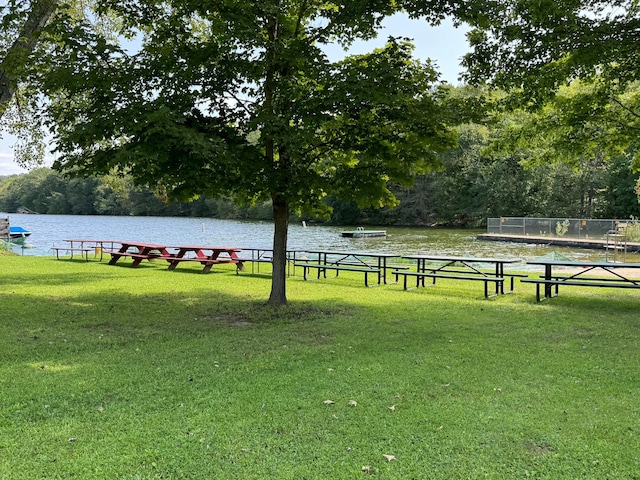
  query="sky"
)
[{"x": 445, "y": 45}]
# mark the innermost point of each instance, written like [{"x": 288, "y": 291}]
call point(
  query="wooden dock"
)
[
  {"x": 4, "y": 229},
  {"x": 588, "y": 243}
]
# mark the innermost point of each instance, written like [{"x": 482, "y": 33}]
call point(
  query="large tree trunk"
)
[
  {"x": 279, "y": 276},
  {"x": 27, "y": 40}
]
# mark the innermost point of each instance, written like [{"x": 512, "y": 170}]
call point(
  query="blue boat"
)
[{"x": 18, "y": 233}]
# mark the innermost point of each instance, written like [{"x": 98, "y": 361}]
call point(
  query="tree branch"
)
[
  {"x": 25, "y": 43},
  {"x": 624, "y": 107}
]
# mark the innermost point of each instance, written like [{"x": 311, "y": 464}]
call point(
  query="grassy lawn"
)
[{"x": 113, "y": 372}]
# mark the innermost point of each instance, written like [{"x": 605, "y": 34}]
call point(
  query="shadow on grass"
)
[
  {"x": 52, "y": 279},
  {"x": 150, "y": 303},
  {"x": 162, "y": 364}
]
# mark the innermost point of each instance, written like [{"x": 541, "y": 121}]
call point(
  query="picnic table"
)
[
  {"x": 337, "y": 261},
  {"x": 138, "y": 252},
  {"x": 614, "y": 275},
  {"x": 206, "y": 255},
  {"x": 460, "y": 268},
  {"x": 84, "y": 246},
  {"x": 257, "y": 256}
]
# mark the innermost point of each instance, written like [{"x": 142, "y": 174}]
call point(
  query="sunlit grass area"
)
[{"x": 114, "y": 372}]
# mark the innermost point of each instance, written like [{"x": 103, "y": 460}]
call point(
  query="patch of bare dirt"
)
[{"x": 538, "y": 448}]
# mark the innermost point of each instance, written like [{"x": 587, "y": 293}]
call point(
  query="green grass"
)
[{"x": 113, "y": 372}]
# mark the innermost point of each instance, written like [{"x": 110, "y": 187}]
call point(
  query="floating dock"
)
[{"x": 362, "y": 233}]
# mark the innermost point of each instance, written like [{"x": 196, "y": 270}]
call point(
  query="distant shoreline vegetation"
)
[{"x": 463, "y": 195}]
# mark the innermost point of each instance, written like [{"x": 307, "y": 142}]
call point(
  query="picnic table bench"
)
[
  {"x": 340, "y": 261},
  {"x": 459, "y": 268},
  {"x": 420, "y": 276},
  {"x": 322, "y": 269},
  {"x": 550, "y": 282},
  {"x": 84, "y": 251}
]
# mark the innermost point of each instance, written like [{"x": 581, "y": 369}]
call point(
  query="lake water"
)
[{"x": 51, "y": 230}]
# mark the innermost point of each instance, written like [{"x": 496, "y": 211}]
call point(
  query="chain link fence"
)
[{"x": 565, "y": 227}]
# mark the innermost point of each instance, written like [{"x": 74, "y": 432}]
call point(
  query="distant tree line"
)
[
  {"x": 477, "y": 181},
  {"x": 46, "y": 191}
]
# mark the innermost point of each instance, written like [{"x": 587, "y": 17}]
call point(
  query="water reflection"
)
[{"x": 51, "y": 230}]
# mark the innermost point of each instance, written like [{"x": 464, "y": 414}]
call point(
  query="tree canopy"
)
[
  {"x": 575, "y": 61},
  {"x": 538, "y": 45},
  {"x": 240, "y": 98}
]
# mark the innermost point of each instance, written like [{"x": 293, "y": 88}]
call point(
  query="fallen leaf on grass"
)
[
  {"x": 392, "y": 408},
  {"x": 389, "y": 458},
  {"x": 328, "y": 402}
]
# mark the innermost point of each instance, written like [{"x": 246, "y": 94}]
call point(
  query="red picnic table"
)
[
  {"x": 138, "y": 251},
  {"x": 206, "y": 255}
]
